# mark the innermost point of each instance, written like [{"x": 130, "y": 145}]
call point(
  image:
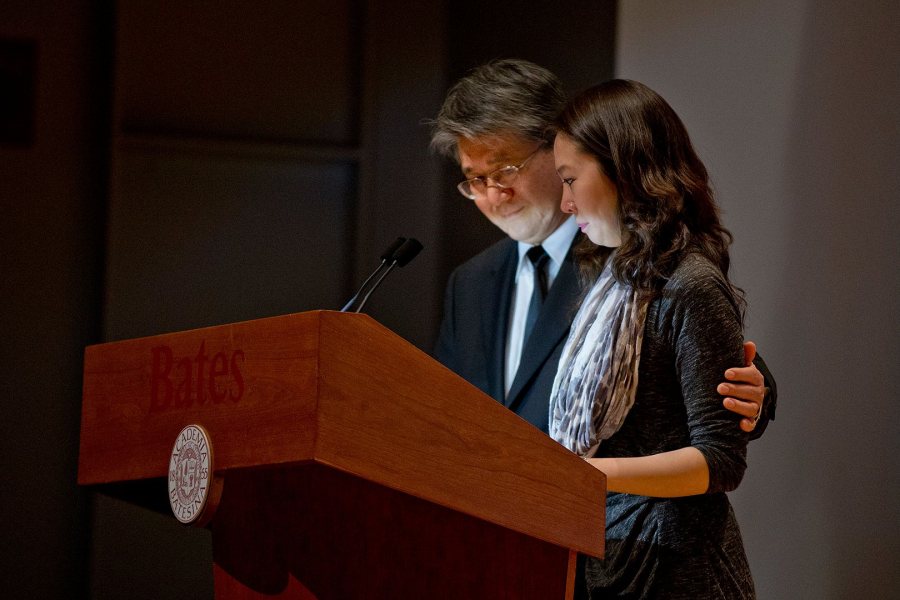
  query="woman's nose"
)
[{"x": 566, "y": 204}]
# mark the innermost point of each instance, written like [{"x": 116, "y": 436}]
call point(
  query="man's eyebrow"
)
[{"x": 496, "y": 162}]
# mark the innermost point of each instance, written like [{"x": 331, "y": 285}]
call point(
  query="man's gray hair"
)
[{"x": 502, "y": 96}]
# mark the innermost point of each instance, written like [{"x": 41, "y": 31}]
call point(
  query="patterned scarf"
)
[{"x": 598, "y": 372}]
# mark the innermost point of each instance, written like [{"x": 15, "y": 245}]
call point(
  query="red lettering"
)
[
  {"x": 162, "y": 365},
  {"x": 183, "y": 397},
  {"x": 236, "y": 373},
  {"x": 219, "y": 368},
  {"x": 178, "y": 382},
  {"x": 201, "y": 359}
]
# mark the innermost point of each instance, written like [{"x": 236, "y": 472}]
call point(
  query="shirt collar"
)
[{"x": 556, "y": 245}]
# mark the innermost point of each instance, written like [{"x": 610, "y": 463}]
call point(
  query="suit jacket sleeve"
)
[
  {"x": 769, "y": 402},
  {"x": 445, "y": 348}
]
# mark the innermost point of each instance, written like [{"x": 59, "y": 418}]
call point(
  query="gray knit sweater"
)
[{"x": 681, "y": 547}]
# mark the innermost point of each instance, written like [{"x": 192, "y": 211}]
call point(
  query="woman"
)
[{"x": 635, "y": 389}]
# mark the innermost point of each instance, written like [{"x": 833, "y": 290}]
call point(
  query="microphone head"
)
[
  {"x": 407, "y": 251},
  {"x": 388, "y": 254}
]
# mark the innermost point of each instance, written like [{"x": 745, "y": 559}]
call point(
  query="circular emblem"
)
[{"x": 190, "y": 474}]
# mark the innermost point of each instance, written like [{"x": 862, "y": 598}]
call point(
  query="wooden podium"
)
[{"x": 352, "y": 464}]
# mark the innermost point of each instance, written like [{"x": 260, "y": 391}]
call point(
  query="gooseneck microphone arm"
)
[
  {"x": 398, "y": 253},
  {"x": 405, "y": 253},
  {"x": 386, "y": 257}
]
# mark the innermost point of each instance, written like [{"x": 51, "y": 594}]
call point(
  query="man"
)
[{"x": 508, "y": 310}]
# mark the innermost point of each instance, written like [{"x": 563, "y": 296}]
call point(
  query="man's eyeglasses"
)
[{"x": 502, "y": 178}]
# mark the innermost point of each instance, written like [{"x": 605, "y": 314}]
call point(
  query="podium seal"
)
[{"x": 193, "y": 492}]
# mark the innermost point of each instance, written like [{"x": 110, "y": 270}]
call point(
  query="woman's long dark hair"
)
[{"x": 666, "y": 205}]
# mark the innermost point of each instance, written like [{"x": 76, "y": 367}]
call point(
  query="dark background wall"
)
[
  {"x": 52, "y": 210},
  {"x": 191, "y": 167},
  {"x": 187, "y": 168}
]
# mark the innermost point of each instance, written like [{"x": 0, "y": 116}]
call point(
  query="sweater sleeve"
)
[{"x": 707, "y": 340}]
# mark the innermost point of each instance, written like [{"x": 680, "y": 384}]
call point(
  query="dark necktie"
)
[{"x": 538, "y": 258}]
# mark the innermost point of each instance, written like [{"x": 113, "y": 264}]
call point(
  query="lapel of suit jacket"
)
[
  {"x": 495, "y": 308},
  {"x": 551, "y": 327}
]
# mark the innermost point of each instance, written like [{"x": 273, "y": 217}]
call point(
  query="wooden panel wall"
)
[
  {"x": 260, "y": 161},
  {"x": 236, "y": 161},
  {"x": 263, "y": 155}
]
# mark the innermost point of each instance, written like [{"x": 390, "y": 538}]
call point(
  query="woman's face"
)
[{"x": 588, "y": 193}]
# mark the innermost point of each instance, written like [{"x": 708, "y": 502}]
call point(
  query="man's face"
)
[{"x": 528, "y": 210}]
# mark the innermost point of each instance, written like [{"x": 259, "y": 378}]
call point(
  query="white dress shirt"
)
[{"x": 556, "y": 246}]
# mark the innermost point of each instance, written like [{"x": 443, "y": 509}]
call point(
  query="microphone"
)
[
  {"x": 386, "y": 256},
  {"x": 399, "y": 253}
]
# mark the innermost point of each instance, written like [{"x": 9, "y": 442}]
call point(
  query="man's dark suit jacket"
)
[{"x": 472, "y": 340}]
